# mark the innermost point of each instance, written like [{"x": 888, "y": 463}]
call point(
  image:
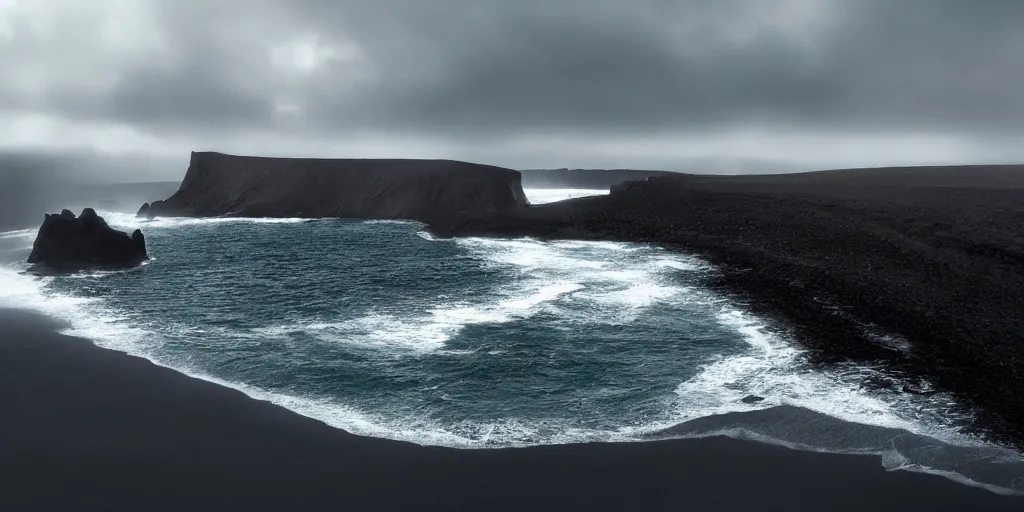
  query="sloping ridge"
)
[{"x": 217, "y": 184}]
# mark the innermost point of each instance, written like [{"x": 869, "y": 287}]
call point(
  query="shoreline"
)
[
  {"x": 94, "y": 426},
  {"x": 930, "y": 255}
]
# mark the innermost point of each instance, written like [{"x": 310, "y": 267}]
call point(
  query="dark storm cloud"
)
[
  {"x": 933, "y": 64},
  {"x": 559, "y": 71},
  {"x": 698, "y": 65},
  {"x": 472, "y": 69}
]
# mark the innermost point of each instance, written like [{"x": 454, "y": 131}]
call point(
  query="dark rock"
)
[
  {"x": 427, "y": 190},
  {"x": 143, "y": 212},
  {"x": 91, "y": 219},
  {"x": 752, "y": 399},
  {"x": 66, "y": 243},
  {"x": 153, "y": 209},
  {"x": 140, "y": 241}
]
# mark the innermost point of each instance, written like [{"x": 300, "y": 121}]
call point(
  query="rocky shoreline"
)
[{"x": 917, "y": 269}]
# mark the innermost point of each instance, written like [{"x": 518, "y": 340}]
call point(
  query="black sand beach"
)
[{"x": 91, "y": 429}]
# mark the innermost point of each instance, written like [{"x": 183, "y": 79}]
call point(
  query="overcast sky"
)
[{"x": 674, "y": 84}]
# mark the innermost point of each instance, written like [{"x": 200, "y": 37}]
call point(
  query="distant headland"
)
[{"x": 217, "y": 184}]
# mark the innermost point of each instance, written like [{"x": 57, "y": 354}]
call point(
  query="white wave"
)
[
  {"x": 417, "y": 428},
  {"x": 645, "y": 294},
  {"x": 85, "y": 317},
  {"x": 390, "y": 221},
  {"x": 23, "y": 290},
  {"x": 425, "y": 331},
  {"x": 100, "y": 274},
  {"x": 775, "y": 370},
  {"x": 620, "y": 280},
  {"x": 129, "y": 221},
  {"x": 527, "y": 253},
  {"x": 544, "y": 294},
  {"x": 378, "y": 331},
  {"x": 689, "y": 265},
  {"x": 597, "y": 245},
  {"x": 551, "y": 195}
]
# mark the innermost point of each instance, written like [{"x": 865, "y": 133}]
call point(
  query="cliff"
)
[{"x": 244, "y": 186}]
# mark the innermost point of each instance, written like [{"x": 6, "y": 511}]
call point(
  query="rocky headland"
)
[{"x": 427, "y": 190}]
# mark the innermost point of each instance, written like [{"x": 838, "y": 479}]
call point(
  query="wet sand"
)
[{"x": 84, "y": 428}]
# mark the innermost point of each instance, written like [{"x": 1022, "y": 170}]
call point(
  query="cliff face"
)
[{"x": 218, "y": 184}]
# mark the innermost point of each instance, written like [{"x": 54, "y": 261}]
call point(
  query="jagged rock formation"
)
[
  {"x": 66, "y": 243},
  {"x": 243, "y": 186}
]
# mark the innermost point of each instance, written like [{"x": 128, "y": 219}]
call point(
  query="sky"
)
[{"x": 691, "y": 85}]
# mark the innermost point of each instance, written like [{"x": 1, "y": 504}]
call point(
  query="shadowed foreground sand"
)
[{"x": 91, "y": 429}]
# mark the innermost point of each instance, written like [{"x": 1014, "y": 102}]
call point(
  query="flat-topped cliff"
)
[{"x": 246, "y": 186}]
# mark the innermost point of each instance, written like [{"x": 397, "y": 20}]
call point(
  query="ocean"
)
[{"x": 380, "y": 329}]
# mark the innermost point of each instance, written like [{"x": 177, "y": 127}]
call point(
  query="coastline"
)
[
  {"x": 917, "y": 270},
  {"x": 848, "y": 260},
  {"x": 116, "y": 431}
]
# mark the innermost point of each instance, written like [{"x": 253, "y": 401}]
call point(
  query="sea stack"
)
[
  {"x": 66, "y": 243},
  {"x": 427, "y": 190}
]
